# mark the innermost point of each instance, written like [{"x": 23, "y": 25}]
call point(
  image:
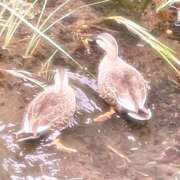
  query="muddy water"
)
[
  {"x": 113, "y": 150},
  {"x": 116, "y": 149}
]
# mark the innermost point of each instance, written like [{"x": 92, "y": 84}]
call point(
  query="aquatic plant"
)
[
  {"x": 35, "y": 29},
  {"x": 12, "y": 23},
  {"x": 33, "y": 43},
  {"x": 38, "y": 29},
  {"x": 45, "y": 66},
  {"x": 43, "y": 25},
  {"x": 167, "y": 53}
]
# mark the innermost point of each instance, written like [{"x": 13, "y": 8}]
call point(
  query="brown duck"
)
[
  {"x": 119, "y": 83},
  {"x": 52, "y": 108}
]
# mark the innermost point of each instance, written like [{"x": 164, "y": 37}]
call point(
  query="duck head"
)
[{"x": 109, "y": 44}]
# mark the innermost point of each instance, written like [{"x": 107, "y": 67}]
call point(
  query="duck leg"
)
[
  {"x": 106, "y": 116},
  {"x": 59, "y": 146},
  {"x": 55, "y": 140}
]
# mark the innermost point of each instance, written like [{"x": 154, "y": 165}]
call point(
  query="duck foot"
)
[
  {"x": 106, "y": 116},
  {"x": 61, "y": 147}
]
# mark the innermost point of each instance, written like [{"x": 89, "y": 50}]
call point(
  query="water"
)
[
  {"x": 105, "y": 150},
  {"x": 113, "y": 150},
  {"x": 39, "y": 160}
]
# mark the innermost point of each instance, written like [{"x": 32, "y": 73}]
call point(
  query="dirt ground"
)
[{"x": 113, "y": 150}]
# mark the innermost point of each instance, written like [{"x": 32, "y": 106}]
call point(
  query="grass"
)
[
  {"x": 13, "y": 22},
  {"x": 41, "y": 32},
  {"x": 166, "y": 3},
  {"x": 44, "y": 27},
  {"x": 167, "y": 53},
  {"x": 44, "y": 24},
  {"x": 45, "y": 67},
  {"x": 33, "y": 43},
  {"x": 35, "y": 29}
]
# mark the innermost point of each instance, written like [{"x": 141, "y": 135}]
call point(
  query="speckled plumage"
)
[
  {"x": 119, "y": 83},
  {"x": 52, "y": 108}
]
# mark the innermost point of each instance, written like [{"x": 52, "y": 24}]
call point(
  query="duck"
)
[
  {"x": 120, "y": 84},
  {"x": 52, "y": 109}
]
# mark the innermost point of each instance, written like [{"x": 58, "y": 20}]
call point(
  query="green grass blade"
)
[
  {"x": 37, "y": 38},
  {"x": 11, "y": 26},
  {"x": 53, "y": 43},
  {"x": 72, "y": 12},
  {"x": 32, "y": 45},
  {"x": 166, "y": 52}
]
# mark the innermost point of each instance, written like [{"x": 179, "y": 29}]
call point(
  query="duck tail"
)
[
  {"x": 25, "y": 129},
  {"x": 142, "y": 114},
  {"x": 61, "y": 78}
]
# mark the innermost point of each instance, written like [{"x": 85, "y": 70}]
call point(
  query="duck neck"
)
[{"x": 112, "y": 54}]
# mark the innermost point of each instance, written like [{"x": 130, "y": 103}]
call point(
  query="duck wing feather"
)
[
  {"x": 49, "y": 109},
  {"x": 123, "y": 86}
]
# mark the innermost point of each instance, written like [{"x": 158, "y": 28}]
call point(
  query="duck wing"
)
[
  {"x": 120, "y": 91},
  {"x": 137, "y": 86},
  {"x": 32, "y": 113},
  {"x": 125, "y": 88},
  {"x": 48, "y": 109}
]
